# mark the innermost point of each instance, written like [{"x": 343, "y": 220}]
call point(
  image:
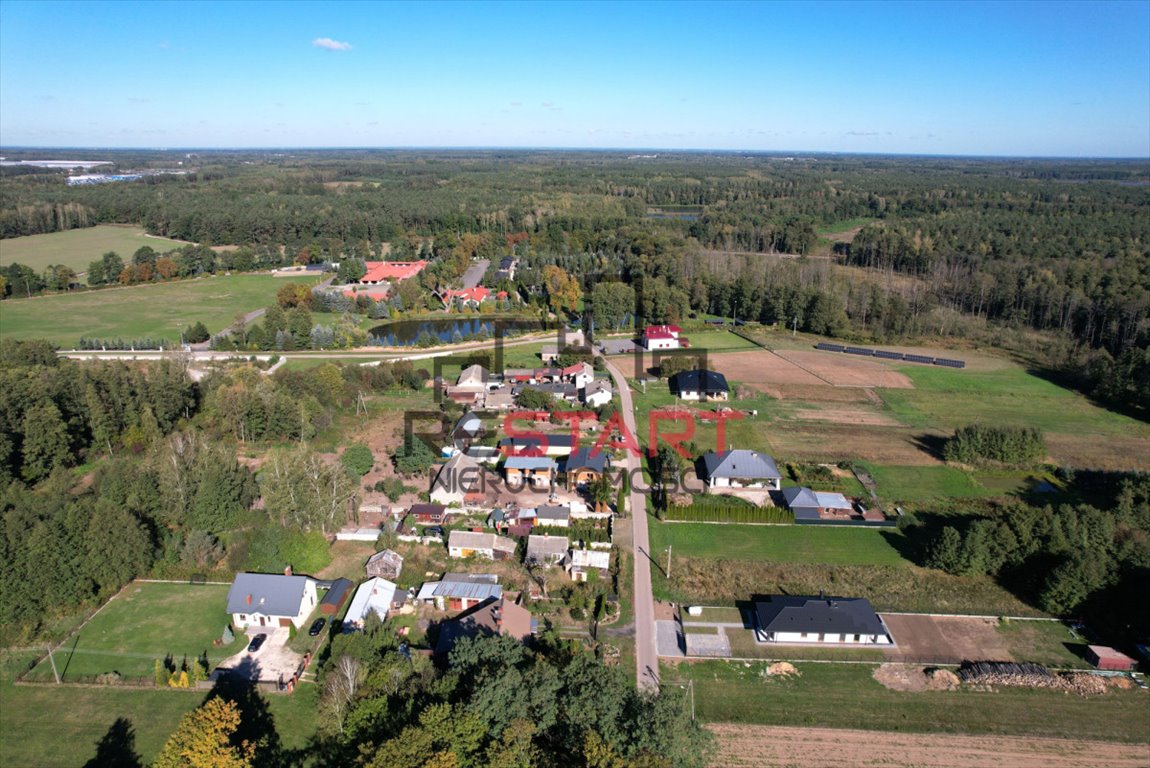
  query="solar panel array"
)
[{"x": 887, "y": 355}]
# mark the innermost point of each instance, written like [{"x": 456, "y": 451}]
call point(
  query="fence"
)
[{"x": 711, "y": 510}]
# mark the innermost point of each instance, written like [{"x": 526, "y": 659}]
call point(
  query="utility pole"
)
[
  {"x": 795, "y": 328},
  {"x": 669, "y": 560},
  {"x": 691, "y": 686}
]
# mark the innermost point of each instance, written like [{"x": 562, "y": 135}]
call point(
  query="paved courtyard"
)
[{"x": 271, "y": 663}]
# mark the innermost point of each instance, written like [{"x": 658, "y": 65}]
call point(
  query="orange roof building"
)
[{"x": 380, "y": 271}]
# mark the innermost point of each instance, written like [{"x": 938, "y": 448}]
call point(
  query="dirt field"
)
[
  {"x": 821, "y": 441},
  {"x": 760, "y": 368},
  {"x": 847, "y": 416},
  {"x": 742, "y": 746},
  {"x": 945, "y": 639},
  {"x": 847, "y": 370}
]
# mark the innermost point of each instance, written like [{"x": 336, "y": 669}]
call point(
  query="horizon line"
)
[{"x": 515, "y": 148}]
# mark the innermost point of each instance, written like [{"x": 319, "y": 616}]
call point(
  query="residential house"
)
[
  {"x": 814, "y": 505},
  {"x": 581, "y": 562},
  {"x": 386, "y": 564},
  {"x": 700, "y": 385},
  {"x": 537, "y": 471},
  {"x": 460, "y": 591},
  {"x": 564, "y": 391},
  {"x": 373, "y": 596},
  {"x": 796, "y": 619},
  {"x": 467, "y": 430},
  {"x": 553, "y": 516},
  {"x": 538, "y": 444},
  {"x": 598, "y": 393},
  {"x": 271, "y": 599},
  {"x": 460, "y": 481},
  {"x": 499, "y": 401},
  {"x": 663, "y": 337},
  {"x": 739, "y": 468},
  {"x": 496, "y": 616},
  {"x": 469, "y": 297},
  {"x": 549, "y": 353},
  {"x": 336, "y": 595},
  {"x": 382, "y": 271},
  {"x": 585, "y": 466},
  {"x": 518, "y": 375},
  {"x": 474, "y": 377},
  {"x": 478, "y": 544},
  {"x": 426, "y": 514},
  {"x": 546, "y": 550},
  {"x": 579, "y": 374}
]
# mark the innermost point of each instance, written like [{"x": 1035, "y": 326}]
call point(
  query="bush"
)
[
  {"x": 726, "y": 509},
  {"x": 357, "y": 459}
]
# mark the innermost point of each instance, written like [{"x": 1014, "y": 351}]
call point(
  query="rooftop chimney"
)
[{"x": 287, "y": 571}]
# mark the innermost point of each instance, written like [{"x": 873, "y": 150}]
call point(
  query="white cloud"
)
[{"x": 330, "y": 45}]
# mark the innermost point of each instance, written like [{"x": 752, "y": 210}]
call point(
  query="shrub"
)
[
  {"x": 357, "y": 459},
  {"x": 1014, "y": 446}
]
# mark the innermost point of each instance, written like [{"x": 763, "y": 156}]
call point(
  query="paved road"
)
[
  {"x": 646, "y": 655},
  {"x": 475, "y": 273}
]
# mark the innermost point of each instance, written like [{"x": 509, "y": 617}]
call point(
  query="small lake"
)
[{"x": 407, "y": 333}]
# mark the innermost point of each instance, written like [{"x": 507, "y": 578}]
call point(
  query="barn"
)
[{"x": 1105, "y": 657}]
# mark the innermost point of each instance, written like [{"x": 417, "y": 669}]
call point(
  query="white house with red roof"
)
[
  {"x": 472, "y": 297},
  {"x": 663, "y": 337}
]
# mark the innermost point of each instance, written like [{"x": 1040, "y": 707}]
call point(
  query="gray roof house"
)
[
  {"x": 809, "y": 505},
  {"x": 459, "y": 594},
  {"x": 546, "y": 550},
  {"x": 840, "y": 620},
  {"x": 553, "y": 515},
  {"x": 739, "y": 468},
  {"x": 270, "y": 599}
]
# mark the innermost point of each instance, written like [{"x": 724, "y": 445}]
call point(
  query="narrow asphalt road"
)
[{"x": 646, "y": 656}]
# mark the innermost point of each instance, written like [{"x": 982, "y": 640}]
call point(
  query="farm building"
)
[
  {"x": 739, "y": 468},
  {"x": 546, "y": 550},
  {"x": 270, "y": 599},
  {"x": 841, "y": 620},
  {"x": 496, "y": 616},
  {"x": 373, "y": 596},
  {"x": 538, "y": 444},
  {"x": 580, "y": 374},
  {"x": 1105, "y": 657},
  {"x": 335, "y": 597},
  {"x": 472, "y": 543},
  {"x": 386, "y": 564},
  {"x": 814, "y": 505},
  {"x": 428, "y": 514},
  {"x": 460, "y": 591},
  {"x": 382, "y": 271},
  {"x": 700, "y": 385},
  {"x": 585, "y": 466}
]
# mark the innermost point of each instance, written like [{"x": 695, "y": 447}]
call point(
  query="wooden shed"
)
[
  {"x": 1105, "y": 657},
  {"x": 335, "y": 597}
]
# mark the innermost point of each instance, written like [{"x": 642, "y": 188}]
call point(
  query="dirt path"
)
[{"x": 742, "y": 746}]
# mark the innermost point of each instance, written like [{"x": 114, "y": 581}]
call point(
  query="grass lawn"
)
[
  {"x": 838, "y": 695},
  {"x": 143, "y": 623},
  {"x": 778, "y": 543},
  {"x": 946, "y": 399},
  {"x": 1044, "y": 642},
  {"x": 49, "y": 726},
  {"x": 160, "y": 310},
  {"x": 717, "y": 340},
  {"x": 926, "y": 483},
  {"x": 76, "y": 248}
]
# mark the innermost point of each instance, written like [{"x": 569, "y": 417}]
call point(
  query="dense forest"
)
[{"x": 1057, "y": 246}]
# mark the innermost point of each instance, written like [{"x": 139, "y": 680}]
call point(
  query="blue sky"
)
[{"x": 1011, "y": 78}]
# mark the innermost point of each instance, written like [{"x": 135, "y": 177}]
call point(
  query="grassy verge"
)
[
  {"x": 1043, "y": 642},
  {"x": 778, "y": 543},
  {"x": 842, "y": 695},
  {"x": 926, "y": 483}
]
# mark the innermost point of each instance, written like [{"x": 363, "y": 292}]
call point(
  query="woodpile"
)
[
  {"x": 1030, "y": 676},
  {"x": 1006, "y": 673}
]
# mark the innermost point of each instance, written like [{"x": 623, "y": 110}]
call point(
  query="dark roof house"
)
[
  {"x": 739, "y": 468},
  {"x": 787, "y": 618},
  {"x": 496, "y": 616},
  {"x": 692, "y": 384}
]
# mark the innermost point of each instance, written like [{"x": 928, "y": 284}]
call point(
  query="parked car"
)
[
  {"x": 256, "y": 643},
  {"x": 433, "y": 530},
  {"x": 316, "y": 627}
]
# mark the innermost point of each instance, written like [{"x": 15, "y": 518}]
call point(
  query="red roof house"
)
[{"x": 379, "y": 271}]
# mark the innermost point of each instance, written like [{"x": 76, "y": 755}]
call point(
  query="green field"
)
[
  {"x": 829, "y": 695},
  {"x": 145, "y": 622},
  {"x": 926, "y": 483},
  {"x": 161, "y": 310},
  {"x": 946, "y": 399},
  {"x": 51, "y": 726},
  {"x": 778, "y": 543},
  {"x": 76, "y": 248}
]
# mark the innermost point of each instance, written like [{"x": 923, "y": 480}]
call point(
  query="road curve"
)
[{"x": 646, "y": 656}]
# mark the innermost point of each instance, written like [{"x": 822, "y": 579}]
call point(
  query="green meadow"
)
[{"x": 76, "y": 248}]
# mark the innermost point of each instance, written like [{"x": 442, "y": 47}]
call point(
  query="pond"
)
[{"x": 444, "y": 330}]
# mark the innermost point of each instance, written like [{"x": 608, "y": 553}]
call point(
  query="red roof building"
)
[
  {"x": 379, "y": 271},
  {"x": 475, "y": 295},
  {"x": 1104, "y": 657}
]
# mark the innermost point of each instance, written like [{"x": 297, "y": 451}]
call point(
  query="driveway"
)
[
  {"x": 646, "y": 654},
  {"x": 271, "y": 663},
  {"x": 474, "y": 273}
]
